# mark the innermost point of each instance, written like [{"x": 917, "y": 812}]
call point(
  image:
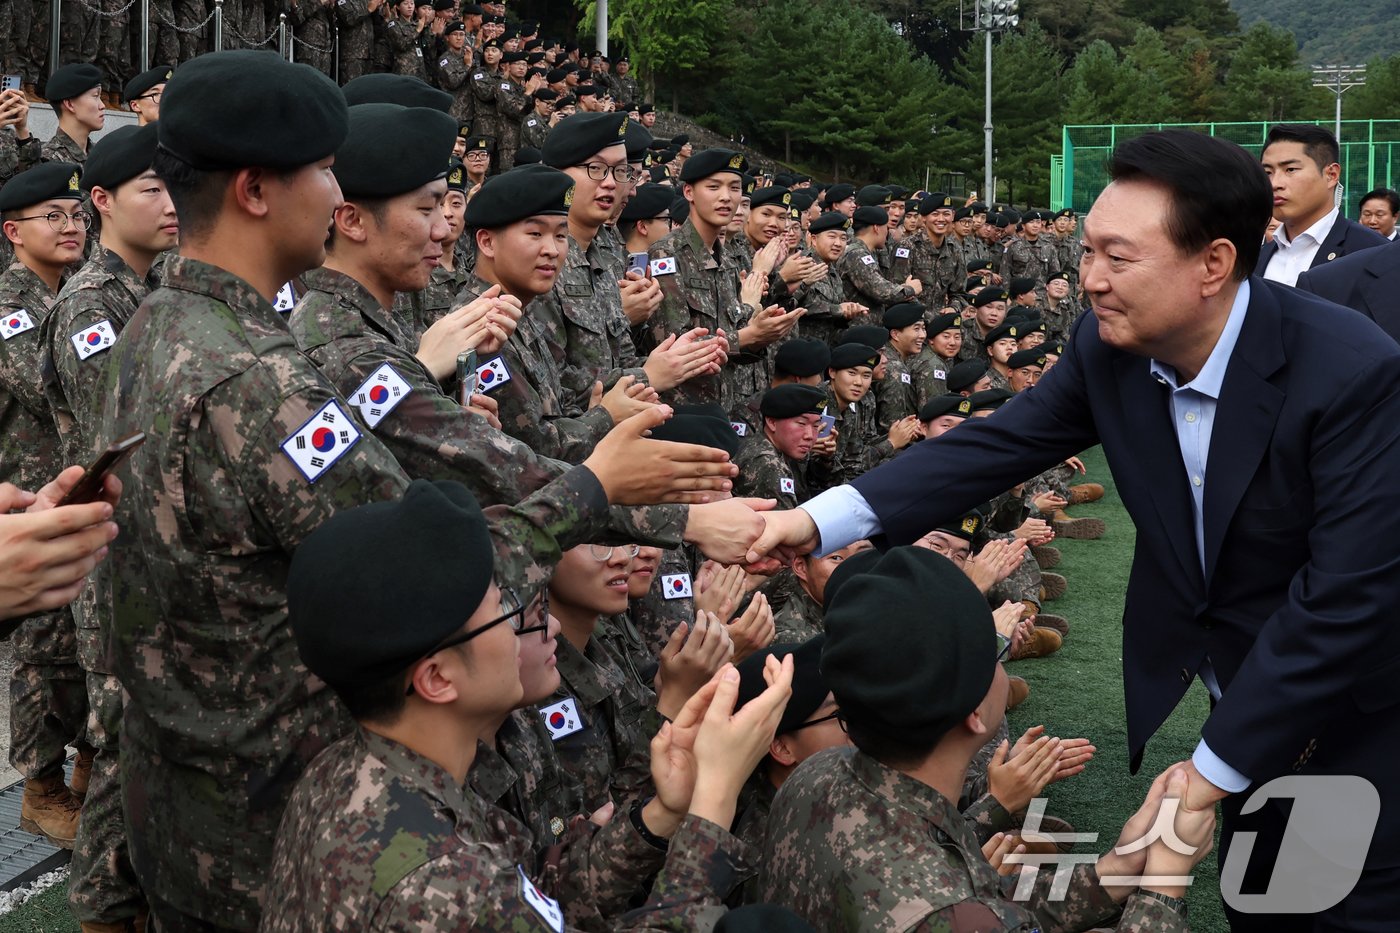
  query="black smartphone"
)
[
  {"x": 89, "y": 487},
  {"x": 467, "y": 377}
]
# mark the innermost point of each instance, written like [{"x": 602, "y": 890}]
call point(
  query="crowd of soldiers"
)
[{"x": 436, "y": 603}]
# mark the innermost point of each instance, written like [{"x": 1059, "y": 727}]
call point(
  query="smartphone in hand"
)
[
  {"x": 467, "y": 376},
  {"x": 89, "y": 486}
]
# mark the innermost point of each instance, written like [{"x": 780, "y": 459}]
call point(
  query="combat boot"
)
[
  {"x": 1046, "y": 556},
  {"x": 82, "y": 772},
  {"x": 1085, "y": 492},
  {"x": 49, "y": 810},
  {"x": 1079, "y": 529},
  {"x": 1052, "y": 586},
  {"x": 1017, "y": 691},
  {"x": 1042, "y": 642}
]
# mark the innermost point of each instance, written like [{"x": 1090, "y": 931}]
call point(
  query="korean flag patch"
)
[
  {"x": 15, "y": 323},
  {"x": 666, "y": 265},
  {"x": 904, "y": 377},
  {"x": 901, "y": 252},
  {"x": 547, "y": 907},
  {"x": 443, "y": 63},
  {"x": 285, "y": 300},
  {"x": 676, "y": 586},
  {"x": 785, "y": 484},
  {"x": 868, "y": 260},
  {"x": 740, "y": 428},
  {"x": 492, "y": 374},
  {"x": 94, "y": 339},
  {"x": 318, "y": 444},
  {"x": 562, "y": 718},
  {"x": 940, "y": 374},
  {"x": 380, "y": 394}
]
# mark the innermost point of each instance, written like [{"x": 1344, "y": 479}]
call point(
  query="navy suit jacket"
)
[
  {"x": 1345, "y": 237},
  {"x": 1368, "y": 282},
  {"x": 1298, "y": 601}
]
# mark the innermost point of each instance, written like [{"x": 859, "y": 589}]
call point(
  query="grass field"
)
[{"x": 1076, "y": 692}]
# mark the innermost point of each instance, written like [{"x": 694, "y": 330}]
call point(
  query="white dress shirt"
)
[{"x": 1293, "y": 258}]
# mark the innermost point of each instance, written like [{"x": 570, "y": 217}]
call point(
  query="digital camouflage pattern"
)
[
  {"x": 799, "y": 619},
  {"x": 1037, "y": 260},
  {"x": 864, "y": 280},
  {"x": 941, "y": 268},
  {"x": 656, "y": 615},
  {"x": 60, "y": 147},
  {"x": 422, "y": 309},
  {"x": 454, "y": 75},
  {"x": 533, "y": 130},
  {"x": 823, "y": 299},
  {"x": 860, "y": 445},
  {"x": 897, "y": 260},
  {"x": 486, "y": 122},
  {"x": 897, "y": 395},
  {"x": 512, "y": 103},
  {"x": 767, "y": 473},
  {"x": 355, "y": 26},
  {"x": 402, "y": 36}
]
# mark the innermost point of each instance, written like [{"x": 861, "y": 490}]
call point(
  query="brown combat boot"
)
[
  {"x": 1079, "y": 529},
  {"x": 1030, "y": 610},
  {"x": 1017, "y": 691},
  {"x": 1046, "y": 556},
  {"x": 82, "y": 772},
  {"x": 49, "y": 810},
  {"x": 1043, "y": 642},
  {"x": 1085, "y": 492},
  {"x": 1052, "y": 586}
]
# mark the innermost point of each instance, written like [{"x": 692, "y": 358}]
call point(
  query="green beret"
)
[
  {"x": 935, "y": 202},
  {"x": 988, "y": 295},
  {"x": 705, "y": 430},
  {"x": 649, "y": 202},
  {"x": 456, "y": 175},
  {"x": 851, "y": 355},
  {"x": 872, "y": 335},
  {"x": 404, "y": 90},
  {"x": 977, "y": 265},
  {"x": 904, "y": 314},
  {"x": 48, "y": 181},
  {"x": 376, "y": 588},
  {"x": 965, "y": 526},
  {"x": 792, "y": 400},
  {"x": 1002, "y": 331},
  {"x": 838, "y": 193},
  {"x": 870, "y": 217},
  {"x": 831, "y": 220},
  {"x": 145, "y": 81},
  {"x": 1034, "y": 356},
  {"x": 801, "y": 357},
  {"x": 873, "y": 196},
  {"x": 709, "y": 162},
  {"x": 940, "y": 405},
  {"x": 773, "y": 194},
  {"x": 809, "y": 690},
  {"x": 367, "y": 168},
  {"x": 964, "y": 375},
  {"x": 72, "y": 81},
  {"x": 244, "y": 108},
  {"x": 910, "y": 647},
  {"x": 119, "y": 156},
  {"x": 527, "y": 191},
  {"x": 637, "y": 140},
  {"x": 582, "y": 136},
  {"x": 989, "y": 399},
  {"x": 1019, "y": 286},
  {"x": 949, "y": 321}
]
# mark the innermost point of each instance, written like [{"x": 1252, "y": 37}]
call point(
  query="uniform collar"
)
[{"x": 422, "y": 771}]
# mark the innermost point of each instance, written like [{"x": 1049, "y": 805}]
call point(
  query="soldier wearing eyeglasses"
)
[{"x": 143, "y": 92}]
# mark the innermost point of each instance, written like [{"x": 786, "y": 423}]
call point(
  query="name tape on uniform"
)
[
  {"x": 562, "y": 718},
  {"x": 15, "y": 323},
  {"x": 492, "y": 374},
  {"x": 94, "y": 339},
  {"x": 666, "y": 265},
  {"x": 317, "y": 445},
  {"x": 547, "y": 907},
  {"x": 380, "y": 394},
  {"x": 676, "y": 586}
]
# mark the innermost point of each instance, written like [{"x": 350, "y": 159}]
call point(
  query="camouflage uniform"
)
[
  {"x": 512, "y": 103},
  {"x": 454, "y": 76},
  {"x": 530, "y": 396},
  {"x": 897, "y": 260},
  {"x": 1069, "y": 252},
  {"x": 417, "y": 311},
  {"x": 766, "y": 473},
  {"x": 855, "y": 845},
  {"x": 863, "y": 280},
  {"x": 533, "y": 130},
  {"x": 800, "y": 619},
  {"x": 940, "y": 268},
  {"x": 930, "y": 374},
  {"x": 860, "y": 446},
  {"x": 487, "y": 121},
  {"x": 972, "y": 348},
  {"x": 1061, "y": 315},
  {"x": 896, "y": 396},
  {"x": 380, "y": 838},
  {"x": 102, "y": 885},
  {"x": 656, "y": 615},
  {"x": 402, "y": 36},
  {"x": 314, "y": 38},
  {"x": 356, "y": 31},
  {"x": 747, "y": 415},
  {"x": 823, "y": 299},
  {"x": 1025, "y": 259},
  {"x": 48, "y": 699},
  {"x": 626, "y": 91},
  {"x": 61, "y": 147},
  {"x": 15, "y": 156}
]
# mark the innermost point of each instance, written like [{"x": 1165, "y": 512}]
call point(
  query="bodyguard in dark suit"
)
[
  {"x": 1368, "y": 282},
  {"x": 1263, "y": 493}
]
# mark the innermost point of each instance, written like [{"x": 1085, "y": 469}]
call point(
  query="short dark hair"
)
[
  {"x": 889, "y": 752},
  {"x": 1318, "y": 142},
  {"x": 1217, "y": 190},
  {"x": 383, "y": 702},
  {"x": 1383, "y": 194},
  {"x": 198, "y": 195}
]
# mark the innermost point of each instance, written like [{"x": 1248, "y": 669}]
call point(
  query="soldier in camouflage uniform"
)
[
  {"x": 1061, "y": 309},
  {"x": 861, "y": 266},
  {"x": 312, "y": 29},
  {"x": 92, "y": 310},
  {"x": 931, "y": 366},
  {"x": 513, "y": 102},
  {"x": 1069, "y": 248},
  {"x": 404, "y": 33},
  {"x": 772, "y": 464},
  {"x": 454, "y": 73},
  {"x": 625, "y": 90},
  {"x": 48, "y": 696},
  {"x": 988, "y": 313},
  {"x": 855, "y": 843},
  {"x": 1031, "y": 255},
  {"x": 421, "y": 309},
  {"x": 935, "y": 257},
  {"x": 76, "y": 94},
  {"x": 19, "y": 149},
  {"x": 534, "y": 129},
  {"x": 800, "y": 618},
  {"x": 356, "y": 21},
  {"x": 900, "y": 394},
  {"x": 860, "y": 444},
  {"x": 487, "y": 121},
  {"x": 828, "y": 311}
]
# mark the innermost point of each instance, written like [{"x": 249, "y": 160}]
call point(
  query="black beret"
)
[
  {"x": 851, "y": 355},
  {"x": 1000, "y": 221},
  {"x": 1035, "y": 356},
  {"x": 556, "y": 75},
  {"x": 119, "y": 156},
  {"x": 972, "y": 283},
  {"x": 637, "y": 140},
  {"x": 527, "y": 191},
  {"x": 801, "y": 357},
  {"x": 472, "y": 9},
  {"x": 803, "y": 199},
  {"x": 965, "y": 374},
  {"x": 911, "y": 206},
  {"x": 978, "y": 207},
  {"x": 746, "y": 185},
  {"x": 704, "y": 429},
  {"x": 1062, "y": 276},
  {"x": 404, "y": 90},
  {"x": 146, "y": 80},
  {"x": 870, "y": 217},
  {"x": 546, "y": 94},
  {"x": 484, "y": 143},
  {"x": 809, "y": 690},
  {"x": 935, "y": 202},
  {"x": 48, "y": 181},
  {"x": 904, "y": 314},
  {"x": 1004, "y": 330},
  {"x": 1054, "y": 349},
  {"x": 246, "y": 108},
  {"x": 1019, "y": 286},
  {"x": 1012, "y": 217},
  {"x": 464, "y": 128},
  {"x": 366, "y": 168},
  {"x": 456, "y": 175},
  {"x": 965, "y": 526},
  {"x": 989, "y": 399},
  {"x": 644, "y": 109},
  {"x": 873, "y": 196},
  {"x": 988, "y": 295},
  {"x": 831, "y": 220},
  {"x": 586, "y": 90},
  {"x": 680, "y": 210},
  {"x": 72, "y": 80},
  {"x": 441, "y": 5},
  {"x": 950, "y": 321},
  {"x": 941, "y": 405},
  {"x": 582, "y": 136},
  {"x": 680, "y": 140},
  {"x": 910, "y": 683},
  {"x": 377, "y": 587},
  {"x": 791, "y": 400},
  {"x": 897, "y": 192},
  {"x": 648, "y": 202},
  {"x": 527, "y": 155},
  {"x": 783, "y": 180},
  {"x": 977, "y": 265},
  {"x": 1033, "y": 324},
  {"x": 1063, "y": 213},
  {"x": 709, "y": 162},
  {"x": 455, "y": 26},
  {"x": 872, "y": 335},
  {"x": 962, "y": 213},
  {"x": 773, "y": 194},
  {"x": 838, "y": 193}
]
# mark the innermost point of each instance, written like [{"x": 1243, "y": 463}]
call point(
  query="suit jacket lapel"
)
[
  {"x": 1266, "y": 252},
  {"x": 1245, "y": 416},
  {"x": 1332, "y": 244},
  {"x": 1379, "y": 284}
]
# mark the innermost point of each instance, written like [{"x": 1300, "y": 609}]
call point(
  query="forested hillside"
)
[{"x": 1332, "y": 31}]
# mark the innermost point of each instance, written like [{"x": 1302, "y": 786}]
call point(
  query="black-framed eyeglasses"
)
[
  {"x": 514, "y": 614},
  {"x": 835, "y": 714},
  {"x": 58, "y": 219},
  {"x": 543, "y": 626},
  {"x": 153, "y": 95},
  {"x": 604, "y": 554},
  {"x": 598, "y": 171},
  {"x": 1003, "y": 646}
]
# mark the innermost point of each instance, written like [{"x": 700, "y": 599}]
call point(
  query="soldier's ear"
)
[
  {"x": 12, "y": 233},
  {"x": 778, "y": 750}
]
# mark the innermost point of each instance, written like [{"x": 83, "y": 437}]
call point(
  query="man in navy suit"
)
[
  {"x": 1301, "y": 161},
  {"x": 1368, "y": 282},
  {"x": 1263, "y": 491}
]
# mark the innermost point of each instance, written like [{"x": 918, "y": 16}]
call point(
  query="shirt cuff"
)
[
  {"x": 842, "y": 517},
  {"x": 1216, "y": 771}
]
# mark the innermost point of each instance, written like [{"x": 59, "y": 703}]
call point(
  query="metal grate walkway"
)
[{"x": 24, "y": 856}]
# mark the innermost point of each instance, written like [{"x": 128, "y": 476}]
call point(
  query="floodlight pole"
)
[
  {"x": 1339, "y": 79},
  {"x": 987, "y": 127}
]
